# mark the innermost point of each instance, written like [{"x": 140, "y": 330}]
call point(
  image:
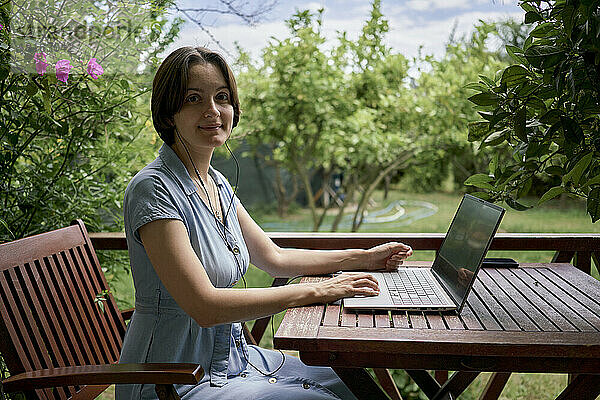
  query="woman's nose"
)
[{"x": 211, "y": 110}]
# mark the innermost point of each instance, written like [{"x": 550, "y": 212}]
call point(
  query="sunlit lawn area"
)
[{"x": 566, "y": 216}]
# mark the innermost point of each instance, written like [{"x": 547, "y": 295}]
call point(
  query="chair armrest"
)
[{"x": 156, "y": 373}]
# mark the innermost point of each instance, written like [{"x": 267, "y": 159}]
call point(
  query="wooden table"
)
[{"x": 535, "y": 318}]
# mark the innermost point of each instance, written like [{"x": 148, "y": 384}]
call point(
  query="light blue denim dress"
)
[{"x": 160, "y": 331}]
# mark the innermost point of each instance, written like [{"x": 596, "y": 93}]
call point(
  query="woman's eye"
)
[
  {"x": 192, "y": 98},
  {"x": 223, "y": 96}
]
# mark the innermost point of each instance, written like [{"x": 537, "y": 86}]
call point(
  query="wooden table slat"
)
[
  {"x": 453, "y": 321},
  {"x": 382, "y": 319},
  {"x": 400, "y": 319},
  {"x": 554, "y": 301},
  {"x": 332, "y": 315},
  {"x": 365, "y": 320},
  {"x": 587, "y": 308},
  {"x": 582, "y": 283},
  {"x": 482, "y": 313},
  {"x": 302, "y": 321},
  {"x": 435, "y": 321},
  {"x": 524, "y": 303},
  {"x": 488, "y": 296},
  {"x": 417, "y": 320},
  {"x": 529, "y": 295},
  {"x": 583, "y": 292},
  {"x": 469, "y": 319},
  {"x": 348, "y": 318},
  {"x": 498, "y": 288}
]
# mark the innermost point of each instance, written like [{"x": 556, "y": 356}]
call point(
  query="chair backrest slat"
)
[
  {"x": 73, "y": 330},
  {"x": 115, "y": 329},
  {"x": 32, "y": 338},
  {"x": 49, "y": 316},
  {"x": 75, "y": 310},
  {"x": 86, "y": 310},
  {"x": 91, "y": 288},
  {"x": 48, "y": 300}
]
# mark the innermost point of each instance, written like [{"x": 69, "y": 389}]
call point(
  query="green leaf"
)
[
  {"x": 31, "y": 88},
  {"x": 593, "y": 204},
  {"x": 572, "y": 130},
  {"x": 516, "y": 54},
  {"x": 4, "y": 70},
  {"x": 551, "y": 193},
  {"x": 516, "y": 205},
  {"x": 555, "y": 170},
  {"x": 481, "y": 195},
  {"x": 480, "y": 181},
  {"x": 551, "y": 117},
  {"x": 519, "y": 127},
  {"x": 514, "y": 75},
  {"x": 476, "y": 86},
  {"x": 487, "y": 80},
  {"x": 543, "y": 55},
  {"x": 532, "y": 16},
  {"x": 527, "y": 7},
  {"x": 46, "y": 100},
  {"x": 485, "y": 99},
  {"x": 542, "y": 30},
  {"x": 494, "y": 163},
  {"x": 575, "y": 173},
  {"x": 594, "y": 181},
  {"x": 477, "y": 130}
]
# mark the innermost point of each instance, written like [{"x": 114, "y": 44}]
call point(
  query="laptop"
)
[{"x": 446, "y": 285}]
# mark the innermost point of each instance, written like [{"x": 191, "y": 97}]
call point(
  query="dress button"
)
[
  {"x": 272, "y": 380},
  {"x": 306, "y": 385},
  {"x": 236, "y": 250},
  {"x": 238, "y": 342},
  {"x": 243, "y": 374}
]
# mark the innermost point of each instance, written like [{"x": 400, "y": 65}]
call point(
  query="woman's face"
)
[{"x": 206, "y": 118}]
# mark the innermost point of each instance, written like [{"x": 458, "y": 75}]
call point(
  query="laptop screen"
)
[{"x": 466, "y": 244}]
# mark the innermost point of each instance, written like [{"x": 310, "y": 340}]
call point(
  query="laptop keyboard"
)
[{"x": 412, "y": 287}]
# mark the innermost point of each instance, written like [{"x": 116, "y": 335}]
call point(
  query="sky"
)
[{"x": 413, "y": 23}]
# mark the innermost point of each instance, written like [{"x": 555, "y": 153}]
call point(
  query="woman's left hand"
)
[{"x": 388, "y": 256}]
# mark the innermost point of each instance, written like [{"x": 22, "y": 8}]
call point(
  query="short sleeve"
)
[{"x": 148, "y": 199}]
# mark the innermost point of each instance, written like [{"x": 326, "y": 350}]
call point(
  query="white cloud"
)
[
  {"x": 407, "y": 35},
  {"x": 431, "y": 5}
]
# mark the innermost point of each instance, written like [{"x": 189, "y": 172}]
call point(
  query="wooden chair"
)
[{"x": 56, "y": 339}]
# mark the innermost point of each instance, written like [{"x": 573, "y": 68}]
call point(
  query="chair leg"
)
[
  {"x": 387, "y": 383},
  {"x": 166, "y": 392},
  {"x": 494, "y": 386},
  {"x": 361, "y": 383}
]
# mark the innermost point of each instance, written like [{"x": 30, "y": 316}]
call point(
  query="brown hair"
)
[{"x": 170, "y": 85}]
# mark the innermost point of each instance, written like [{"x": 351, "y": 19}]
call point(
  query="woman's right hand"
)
[{"x": 347, "y": 284}]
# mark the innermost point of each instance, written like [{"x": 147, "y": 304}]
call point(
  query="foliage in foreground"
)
[
  {"x": 66, "y": 122},
  {"x": 546, "y": 106}
]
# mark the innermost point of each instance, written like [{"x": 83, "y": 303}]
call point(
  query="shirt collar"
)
[{"x": 172, "y": 161}]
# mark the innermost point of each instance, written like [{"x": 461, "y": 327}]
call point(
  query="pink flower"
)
[
  {"x": 40, "y": 63},
  {"x": 63, "y": 68},
  {"x": 94, "y": 69}
]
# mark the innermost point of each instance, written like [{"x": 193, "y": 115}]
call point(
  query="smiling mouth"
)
[{"x": 210, "y": 127}]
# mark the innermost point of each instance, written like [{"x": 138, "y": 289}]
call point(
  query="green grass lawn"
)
[{"x": 554, "y": 216}]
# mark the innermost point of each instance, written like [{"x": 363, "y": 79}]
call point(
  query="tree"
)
[
  {"x": 295, "y": 104},
  {"x": 546, "y": 107}
]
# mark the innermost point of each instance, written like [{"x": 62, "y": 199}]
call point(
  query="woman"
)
[{"x": 190, "y": 240}]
